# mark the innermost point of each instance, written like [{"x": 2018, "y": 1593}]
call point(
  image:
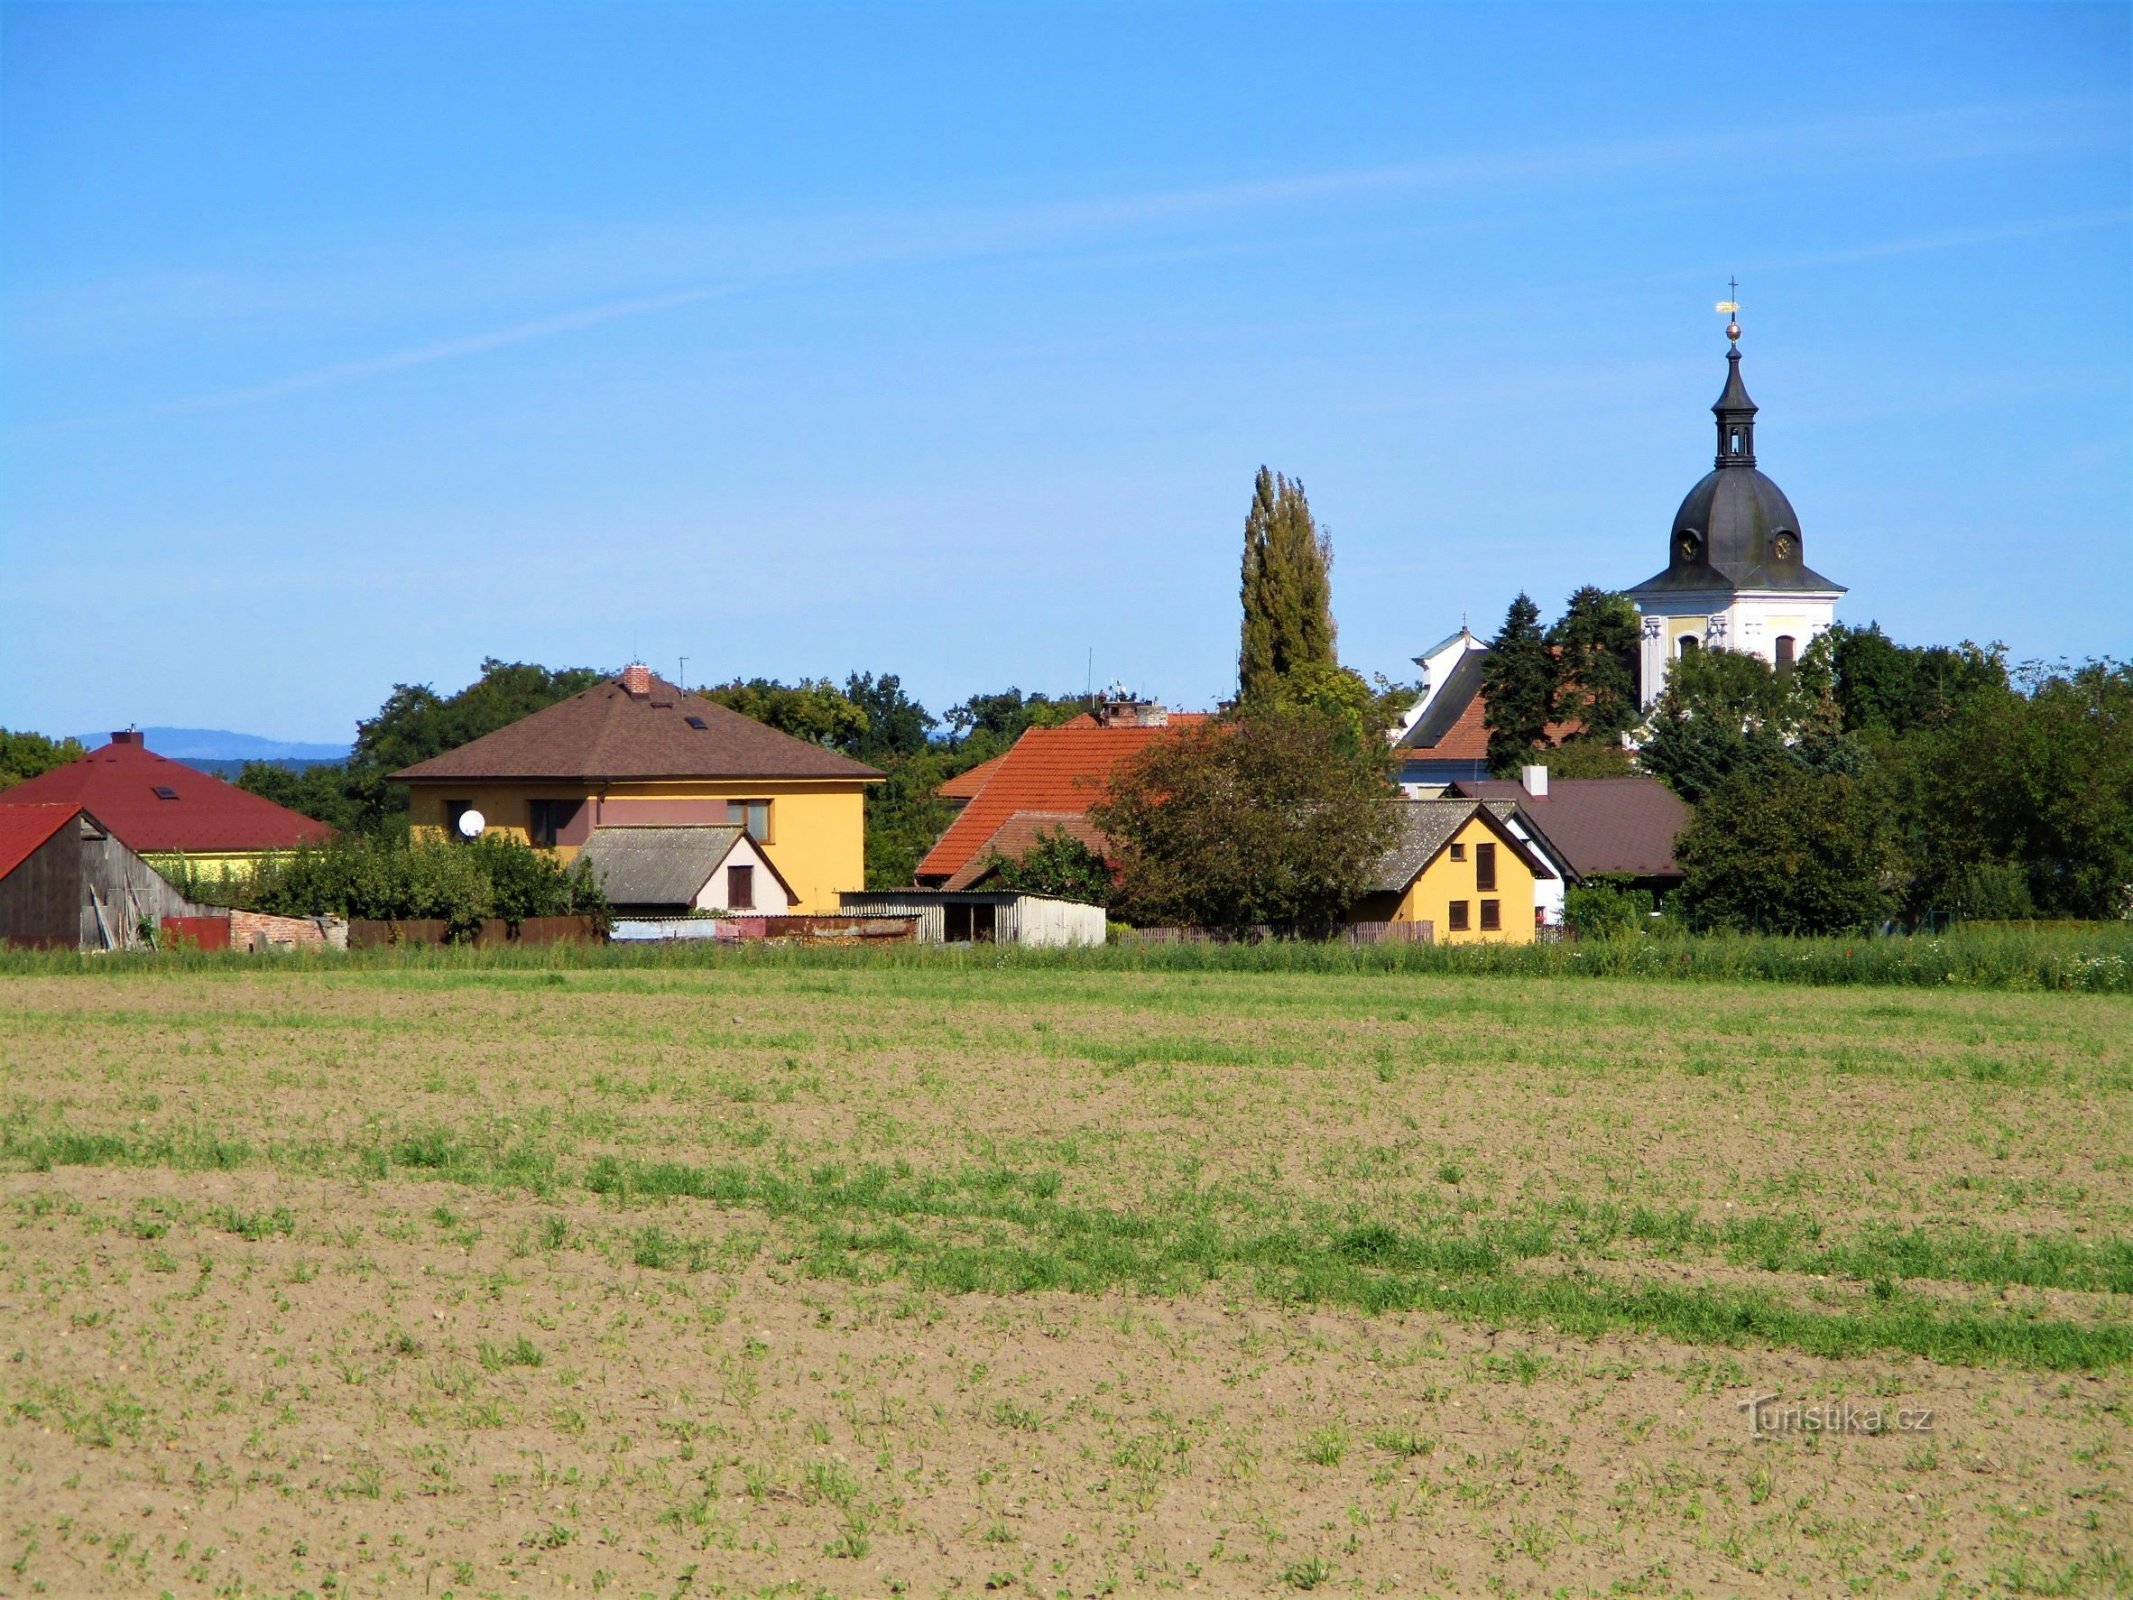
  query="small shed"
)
[
  {"x": 656, "y": 870},
  {"x": 979, "y": 916},
  {"x": 68, "y": 883}
]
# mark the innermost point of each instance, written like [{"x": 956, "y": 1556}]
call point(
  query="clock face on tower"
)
[
  {"x": 1786, "y": 547},
  {"x": 1687, "y": 546}
]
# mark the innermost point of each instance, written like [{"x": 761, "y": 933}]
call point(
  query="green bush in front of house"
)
[
  {"x": 1606, "y": 907},
  {"x": 395, "y": 880}
]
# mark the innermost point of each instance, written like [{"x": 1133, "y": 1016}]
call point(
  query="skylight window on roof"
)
[
  {"x": 697, "y": 723},
  {"x": 165, "y": 792}
]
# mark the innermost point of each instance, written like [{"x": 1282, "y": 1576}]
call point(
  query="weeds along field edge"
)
[{"x": 2055, "y": 958}]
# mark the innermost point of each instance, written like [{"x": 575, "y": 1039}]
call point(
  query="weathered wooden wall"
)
[{"x": 41, "y": 900}]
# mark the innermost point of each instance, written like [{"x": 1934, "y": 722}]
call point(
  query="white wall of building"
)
[
  {"x": 1749, "y": 622},
  {"x": 771, "y": 899}
]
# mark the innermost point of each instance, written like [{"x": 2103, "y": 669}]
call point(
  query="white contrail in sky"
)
[{"x": 1912, "y": 138}]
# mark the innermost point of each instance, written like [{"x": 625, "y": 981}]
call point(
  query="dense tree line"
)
[
  {"x": 29, "y": 755},
  {"x": 1877, "y": 780}
]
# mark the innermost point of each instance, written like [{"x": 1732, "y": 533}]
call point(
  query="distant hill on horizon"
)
[{"x": 220, "y": 744}]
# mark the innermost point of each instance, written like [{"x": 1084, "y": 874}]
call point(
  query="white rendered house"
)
[{"x": 1736, "y": 576}]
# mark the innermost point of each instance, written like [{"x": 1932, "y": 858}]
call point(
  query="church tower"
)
[{"x": 1736, "y": 574}]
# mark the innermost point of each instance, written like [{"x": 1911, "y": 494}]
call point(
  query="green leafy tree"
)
[
  {"x": 905, "y": 815},
  {"x": 1722, "y": 712},
  {"x": 1589, "y": 758},
  {"x": 1518, "y": 688},
  {"x": 1365, "y": 710},
  {"x": 2038, "y": 775},
  {"x": 1595, "y": 645},
  {"x": 1287, "y": 588},
  {"x": 813, "y": 709},
  {"x": 1606, "y": 907},
  {"x": 416, "y": 722},
  {"x": 986, "y": 724},
  {"x": 29, "y": 755},
  {"x": 1781, "y": 849},
  {"x": 1269, "y": 815},
  {"x": 896, "y": 725},
  {"x": 1059, "y": 865},
  {"x": 1882, "y": 687}
]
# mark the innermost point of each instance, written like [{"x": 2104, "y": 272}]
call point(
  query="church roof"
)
[{"x": 1735, "y": 529}]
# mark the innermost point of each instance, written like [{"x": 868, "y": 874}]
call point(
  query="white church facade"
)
[{"x": 1736, "y": 576}]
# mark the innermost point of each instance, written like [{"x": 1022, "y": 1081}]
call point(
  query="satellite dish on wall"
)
[{"x": 471, "y": 822}]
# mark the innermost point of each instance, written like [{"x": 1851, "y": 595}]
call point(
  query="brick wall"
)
[{"x": 248, "y": 928}]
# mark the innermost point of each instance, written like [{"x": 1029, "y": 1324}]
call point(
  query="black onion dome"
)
[{"x": 1736, "y": 529}]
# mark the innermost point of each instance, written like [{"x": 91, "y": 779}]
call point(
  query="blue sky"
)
[{"x": 348, "y": 345}]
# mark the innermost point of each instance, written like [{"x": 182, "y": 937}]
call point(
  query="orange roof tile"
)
[
  {"x": 1014, "y": 837},
  {"x": 1049, "y": 769},
  {"x": 965, "y": 785}
]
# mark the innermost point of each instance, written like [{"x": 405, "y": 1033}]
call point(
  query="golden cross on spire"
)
[{"x": 1730, "y": 308}]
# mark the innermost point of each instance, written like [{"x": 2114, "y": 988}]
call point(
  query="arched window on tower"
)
[
  {"x": 1784, "y": 652},
  {"x": 1688, "y": 645}
]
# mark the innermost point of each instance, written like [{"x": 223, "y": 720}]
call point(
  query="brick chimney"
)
[
  {"x": 1126, "y": 712},
  {"x": 128, "y": 736},
  {"x": 637, "y": 678}
]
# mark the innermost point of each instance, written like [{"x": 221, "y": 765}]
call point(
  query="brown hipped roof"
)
[
  {"x": 607, "y": 733},
  {"x": 1625, "y": 825}
]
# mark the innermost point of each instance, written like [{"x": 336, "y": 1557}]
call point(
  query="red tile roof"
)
[
  {"x": 965, "y": 785},
  {"x": 1049, "y": 769},
  {"x": 118, "y": 783},
  {"x": 608, "y": 732},
  {"x": 24, "y": 829},
  {"x": 1013, "y": 838}
]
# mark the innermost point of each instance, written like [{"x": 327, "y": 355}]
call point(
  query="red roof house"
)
[
  {"x": 162, "y": 807},
  {"x": 67, "y": 882},
  {"x": 1059, "y": 772}
]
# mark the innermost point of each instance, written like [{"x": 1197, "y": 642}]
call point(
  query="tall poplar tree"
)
[
  {"x": 1287, "y": 589},
  {"x": 1517, "y": 687}
]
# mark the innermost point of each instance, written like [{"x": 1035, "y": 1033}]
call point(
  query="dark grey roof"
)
[
  {"x": 1461, "y": 684},
  {"x": 1426, "y": 827},
  {"x": 1726, "y": 536},
  {"x": 1626, "y": 825},
  {"x": 1735, "y": 529},
  {"x": 657, "y": 866}
]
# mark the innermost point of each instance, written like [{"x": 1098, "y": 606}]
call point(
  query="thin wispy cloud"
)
[{"x": 751, "y": 258}]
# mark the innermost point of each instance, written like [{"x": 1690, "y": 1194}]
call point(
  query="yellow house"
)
[
  {"x": 1457, "y": 867},
  {"x": 634, "y": 751}
]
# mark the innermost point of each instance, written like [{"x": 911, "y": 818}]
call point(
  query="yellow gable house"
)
[
  {"x": 635, "y": 752},
  {"x": 1457, "y": 867}
]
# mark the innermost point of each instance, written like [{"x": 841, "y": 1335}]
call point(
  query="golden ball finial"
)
[{"x": 1733, "y": 332}]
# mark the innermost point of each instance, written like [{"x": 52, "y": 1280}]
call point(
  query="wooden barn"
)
[{"x": 68, "y": 883}]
